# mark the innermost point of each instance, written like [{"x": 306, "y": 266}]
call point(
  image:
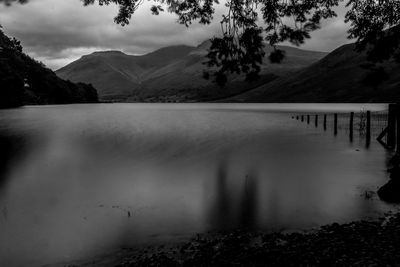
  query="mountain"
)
[
  {"x": 342, "y": 76},
  {"x": 172, "y": 73},
  {"x": 26, "y": 81},
  {"x": 117, "y": 75}
]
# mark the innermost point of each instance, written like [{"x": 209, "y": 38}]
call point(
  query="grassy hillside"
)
[
  {"x": 117, "y": 75},
  {"x": 341, "y": 76},
  {"x": 26, "y": 81},
  {"x": 170, "y": 74}
]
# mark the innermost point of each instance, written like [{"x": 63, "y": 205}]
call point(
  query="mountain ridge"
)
[
  {"x": 173, "y": 73},
  {"x": 344, "y": 75}
]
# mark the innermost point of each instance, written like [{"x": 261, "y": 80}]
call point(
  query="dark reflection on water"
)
[
  {"x": 248, "y": 213},
  {"x": 226, "y": 215},
  {"x": 12, "y": 148},
  {"x": 81, "y": 180},
  {"x": 7, "y": 148},
  {"x": 221, "y": 213}
]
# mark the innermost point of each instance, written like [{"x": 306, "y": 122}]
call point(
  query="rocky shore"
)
[{"x": 362, "y": 243}]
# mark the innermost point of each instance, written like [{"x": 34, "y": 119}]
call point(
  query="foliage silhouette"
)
[
  {"x": 26, "y": 81},
  {"x": 240, "y": 49},
  {"x": 9, "y": 2}
]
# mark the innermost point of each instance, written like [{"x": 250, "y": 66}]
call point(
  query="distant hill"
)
[
  {"x": 339, "y": 77},
  {"x": 26, "y": 81},
  {"x": 172, "y": 73}
]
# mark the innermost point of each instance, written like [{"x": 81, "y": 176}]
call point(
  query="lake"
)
[{"x": 81, "y": 180}]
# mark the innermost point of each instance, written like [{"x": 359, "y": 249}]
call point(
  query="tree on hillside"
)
[
  {"x": 376, "y": 26},
  {"x": 247, "y": 23},
  {"x": 24, "y": 80}
]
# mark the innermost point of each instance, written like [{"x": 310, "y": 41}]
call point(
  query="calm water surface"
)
[{"x": 81, "y": 180}]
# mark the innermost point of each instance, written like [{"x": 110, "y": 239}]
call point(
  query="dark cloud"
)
[{"x": 58, "y": 32}]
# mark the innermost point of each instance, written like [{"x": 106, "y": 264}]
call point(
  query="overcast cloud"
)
[{"x": 58, "y": 32}]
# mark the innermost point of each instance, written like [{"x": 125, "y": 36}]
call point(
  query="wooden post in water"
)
[
  {"x": 335, "y": 124},
  {"x": 324, "y": 122},
  {"x": 308, "y": 119},
  {"x": 316, "y": 120},
  {"x": 391, "y": 133},
  {"x": 351, "y": 126},
  {"x": 368, "y": 130},
  {"x": 397, "y": 112}
]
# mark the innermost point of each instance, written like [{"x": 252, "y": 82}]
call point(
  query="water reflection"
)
[
  {"x": 235, "y": 203},
  {"x": 7, "y": 151},
  {"x": 249, "y": 205},
  {"x": 11, "y": 147},
  {"x": 367, "y": 141},
  {"x": 221, "y": 212}
]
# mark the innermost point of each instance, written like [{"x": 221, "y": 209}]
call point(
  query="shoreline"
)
[{"x": 358, "y": 243}]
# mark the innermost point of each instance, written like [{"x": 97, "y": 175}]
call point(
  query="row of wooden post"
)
[
  {"x": 392, "y": 131},
  {"x": 335, "y": 123}
]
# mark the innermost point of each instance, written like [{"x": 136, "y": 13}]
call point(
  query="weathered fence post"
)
[
  {"x": 335, "y": 124},
  {"x": 368, "y": 130},
  {"x": 368, "y": 124},
  {"x": 351, "y": 125},
  {"x": 316, "y": 120},
  {"x": 308, "y": 119},
  {"x": 324, "y": 122},
  {"x": 397, "y": 112},
  {"x": 391, "y": 128}
]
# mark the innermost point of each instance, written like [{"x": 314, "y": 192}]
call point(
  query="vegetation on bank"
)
[{"x": 25, "y": 81}]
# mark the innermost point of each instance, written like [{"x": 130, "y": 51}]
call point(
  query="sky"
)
[{"x": 57, "y": 32}]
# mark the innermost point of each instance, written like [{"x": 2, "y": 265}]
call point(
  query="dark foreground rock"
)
[
  {"x": 363, "y": 243},
  {"x": 390, "y": 191}
]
